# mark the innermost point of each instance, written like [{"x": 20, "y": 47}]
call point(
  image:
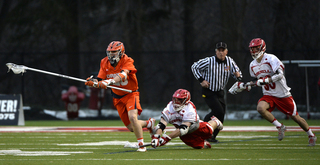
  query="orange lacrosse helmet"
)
[{"x": 115, "y": 46}]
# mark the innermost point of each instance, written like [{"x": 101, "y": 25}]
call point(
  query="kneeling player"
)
[{"x": 181, "y": 113}]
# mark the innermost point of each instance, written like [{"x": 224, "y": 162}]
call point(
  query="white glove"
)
[
  {"x": 236, "y": 88},
  {"x": 248, "y": 86},
  {"x": 262, "y": 81},
  {"x": 155, "y": 140},
  {"x": 239, "y": 87}
]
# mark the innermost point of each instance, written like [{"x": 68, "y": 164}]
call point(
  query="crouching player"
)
[{"x": 181, "y": 113}]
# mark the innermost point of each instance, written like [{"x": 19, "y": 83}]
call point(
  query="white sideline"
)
[{"x": 169, "y": 129}]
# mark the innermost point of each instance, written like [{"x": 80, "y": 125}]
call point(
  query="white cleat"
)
[
  {"x": 142, "y": 149},
  {"x": 281, "y": 131},
  {"x": 150, "y": 126},
  {"x": 131, "y": 145},
  {"x": 206, "y": 145},
  {"x": 312, "y": 140},
  {"x": 219, "y": 124}
]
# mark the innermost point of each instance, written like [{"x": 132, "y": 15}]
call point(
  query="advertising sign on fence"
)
[{"x": 11, "y": 110}]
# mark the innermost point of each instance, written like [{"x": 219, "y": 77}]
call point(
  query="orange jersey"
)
[{"x": 107, "y": 71}]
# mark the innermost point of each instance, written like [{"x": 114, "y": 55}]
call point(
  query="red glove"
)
[{"x": 164, "y": 139}]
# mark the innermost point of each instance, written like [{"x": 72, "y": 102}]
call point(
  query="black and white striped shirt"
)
[{"x": 215, "y": 72}]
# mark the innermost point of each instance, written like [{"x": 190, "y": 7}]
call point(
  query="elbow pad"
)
[
  {"x": 122, "y": 75},
  {"x": 183, "y": 129},
  {"x": 277, "y": 76}
]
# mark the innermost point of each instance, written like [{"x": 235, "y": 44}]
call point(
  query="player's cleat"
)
[
  {"x": 142, "y": 149},
  {"x": 206, "y": 145},
  {"x": 212, "y": 140},
  {"x": 312, "y": 140},
  {"x": 281, "y": 131},
  {"x": 219, "y": 124},
  {"x": 151, "y": 122},
  {"x": 131, "y": 145}
]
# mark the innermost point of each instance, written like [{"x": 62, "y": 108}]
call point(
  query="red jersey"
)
[{"x": 107, "y": 71}]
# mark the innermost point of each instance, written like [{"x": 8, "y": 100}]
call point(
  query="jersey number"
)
[
  {"x": 271, "y": 85},
  {"x": 72, "y": 107}
]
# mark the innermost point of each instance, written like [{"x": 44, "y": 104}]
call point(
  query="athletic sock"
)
[
  {"x": 309, "y": 132},
  {"x": 276, "y": 123},
  {"x": 140, "y": 140}
]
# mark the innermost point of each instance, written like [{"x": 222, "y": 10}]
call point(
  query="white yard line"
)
[{"x": 116, "y": 129}]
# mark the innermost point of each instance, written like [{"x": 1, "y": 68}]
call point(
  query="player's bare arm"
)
[
  {"x": 182, "y": 130},
  {"x": 161, "y": 126}
]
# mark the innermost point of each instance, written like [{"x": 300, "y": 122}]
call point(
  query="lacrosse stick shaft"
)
[
  {"x": 61, "y": 75},
  {"x": 73, "y": 78},
  {"x": 252, "y": 84},
  {"x": 56, "y": 74},
  {"x": 146, "y": 145}
]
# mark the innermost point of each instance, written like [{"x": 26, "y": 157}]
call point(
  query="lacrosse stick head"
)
[{"x": 16, "y": 69}]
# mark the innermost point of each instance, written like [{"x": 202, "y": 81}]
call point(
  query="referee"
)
[{"x": 213, "y": 74}]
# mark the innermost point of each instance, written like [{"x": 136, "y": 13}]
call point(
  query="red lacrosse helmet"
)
[
  {"x": 262, "y": 47},
  {"x": 180, "y": 98},
  {"x": 115, "y": 46}
]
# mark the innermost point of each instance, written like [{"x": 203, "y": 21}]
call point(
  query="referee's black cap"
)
[{"x": 221, "y": 45}]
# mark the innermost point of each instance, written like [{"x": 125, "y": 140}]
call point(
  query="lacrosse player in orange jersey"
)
[{"x": 117, "y": 69}]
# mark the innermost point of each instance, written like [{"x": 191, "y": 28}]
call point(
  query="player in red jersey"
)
[
  {"x": 182, "y": 113},
  {"x": 269, "y": 73},
  {"x": 117, "y": 69}
]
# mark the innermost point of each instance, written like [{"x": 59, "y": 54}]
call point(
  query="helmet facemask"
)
[
  {"x": 114, "y": 59},
  {"x": 178, "y": 104},
  {"x": 114, "y": 52},
  {"x": 257, "y": 42},
  {"x": 257, "y": 54},
  {"x": 180, "y": 99}
]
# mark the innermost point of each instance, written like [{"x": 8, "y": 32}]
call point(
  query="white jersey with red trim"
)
[
  {"x": 187, "y": 114},
  {"x": 268, "y": 66}
]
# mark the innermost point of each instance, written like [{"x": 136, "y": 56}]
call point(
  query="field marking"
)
[
  {"x": 27, "y": 129},
  {"x": 104, "y": 143},
  {"x": 222, "y": 159},
  {"x": 40, "y": 153}
]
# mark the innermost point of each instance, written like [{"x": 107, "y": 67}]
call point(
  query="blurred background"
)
[{"x": 164, "y": 37}]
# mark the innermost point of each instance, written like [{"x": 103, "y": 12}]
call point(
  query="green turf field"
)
[{"x": 90, "y": 148}]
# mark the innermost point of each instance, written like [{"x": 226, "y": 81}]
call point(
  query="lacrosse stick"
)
[
  {"x": 252, "y": 84},
  {"x": 146, "y": 145},
  {"x": 135, "y": 145},
  {"x": 17, "y": 69}
]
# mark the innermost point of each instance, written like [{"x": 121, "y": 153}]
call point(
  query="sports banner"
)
[{"x": 11, "y": 110}]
